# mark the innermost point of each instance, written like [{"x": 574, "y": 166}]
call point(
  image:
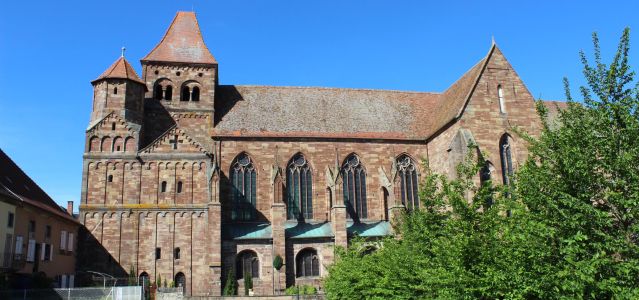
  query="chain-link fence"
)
[{"x": 91, "y": 293}]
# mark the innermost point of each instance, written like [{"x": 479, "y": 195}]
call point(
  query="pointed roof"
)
[
  {"x": 120, "y": 69},
  {"x": 456, "y": 97},
  {"x": 182, "y": 43}
]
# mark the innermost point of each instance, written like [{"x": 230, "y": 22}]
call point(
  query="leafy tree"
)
[
  {"x": 230, "y": 286},
  {"x": 582, "y": 180},
  {"x": 132, "y": 276},
  {"x": 571, "y": 231},
  {"x": 278, "y": 263}
]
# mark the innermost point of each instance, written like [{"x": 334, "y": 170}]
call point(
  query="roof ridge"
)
[{"x": 331, "y": 88}]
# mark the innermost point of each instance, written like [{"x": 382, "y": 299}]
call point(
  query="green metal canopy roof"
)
[
  {"x": 381, "y": 228},
  {"x": 247, "y": 231},
  {"x": 300, "y": 230}
]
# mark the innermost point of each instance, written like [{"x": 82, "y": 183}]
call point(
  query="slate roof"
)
[
  {"x": 182, "y": 43},
  {"x": 15, "y": 184},
  {"x": 120, "y": 69}
]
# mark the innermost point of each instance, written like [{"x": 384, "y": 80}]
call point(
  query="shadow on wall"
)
[
  {"x": 92, "y": 256},
  {"x": 227, "y": 203},
  {"x": 157, "y": 120}
]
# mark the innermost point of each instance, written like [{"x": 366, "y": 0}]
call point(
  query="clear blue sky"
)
[{"x": 51, "y": 50}]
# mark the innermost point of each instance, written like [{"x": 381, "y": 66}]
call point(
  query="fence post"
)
[{"x": 69, "y": 294}]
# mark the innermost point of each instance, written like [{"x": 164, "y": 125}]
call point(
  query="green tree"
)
[
  {"x": 248, "y": 283},
  {"x": 278, "y": 263},
  {"x": 582, "y": 181},
  {"x": 132, "y": 276},
  {"x": 230, "y": 286},
  {"x": 158, "y": 281}
]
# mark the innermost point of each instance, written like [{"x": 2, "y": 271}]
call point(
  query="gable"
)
[
  {"x": 174, "y": 140},
  {"x": 110, "y": 122}
]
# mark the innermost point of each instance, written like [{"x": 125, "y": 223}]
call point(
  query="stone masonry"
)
[{"x": 158, "y": 190}]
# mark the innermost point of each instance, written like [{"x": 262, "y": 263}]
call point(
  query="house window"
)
[
  {"x": 502, "y": 103},
  {"x": 158, "y": 253},
  {"x": 115, "y": 90},
  {"x": 176, "y": 253},
  {"x": 163, "y": 187},
  {"x": 299, "y": 188},
  {"x": 247, "y": 263},
  {"x": 307, "y": 263},
  {"x": 10, "y": 220},
  {"x": 110, "y": 178},
  {"x": 407, "y": 182},
  {"x": 63, "y": 240},
  {"x": 354, "y": 180},
  {"x": 113, "y": 126},
  {"x": 243, "y": 181},
  {"x": 47, "y": 252},
  {"x": 179, "y": 187},
  {"x": 32, "y": 228},
  {"x": 47, "y": 231}
]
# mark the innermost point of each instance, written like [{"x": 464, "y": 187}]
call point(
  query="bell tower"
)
[{"x": 180, "y": 71}]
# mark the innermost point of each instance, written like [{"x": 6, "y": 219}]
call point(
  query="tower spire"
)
[{"x": 123, "y": 49}]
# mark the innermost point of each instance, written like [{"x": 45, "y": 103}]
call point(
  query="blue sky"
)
[{"x": 51, "y": 50}]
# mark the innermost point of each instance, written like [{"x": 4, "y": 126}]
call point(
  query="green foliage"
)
[
  {"x": 230, "y": 286},
  {"x": 278, "y": 262},
  {"x": 301, "y": 290},
  {"x": 582, "y": 181},
  {"x": 133, "y": 280},
  {"x": 164, "y": 285},
  {"x": 248, "y": 283},
  {"x": 571, "y": 231},
  {"x": 171, "y": 284},
  {"x": 158, "y": 281}
]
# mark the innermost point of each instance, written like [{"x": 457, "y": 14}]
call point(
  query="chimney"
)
[{"x": 70, "y": 207}]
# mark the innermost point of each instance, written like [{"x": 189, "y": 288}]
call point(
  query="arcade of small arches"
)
[
  {"x": 112, "y": 144},
  {"x": 163, "y": 90}
]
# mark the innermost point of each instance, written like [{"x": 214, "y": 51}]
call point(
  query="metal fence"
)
[{"x": 108, "y": 293}]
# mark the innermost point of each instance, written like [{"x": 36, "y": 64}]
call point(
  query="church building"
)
[{"x": 192, "y": 181}]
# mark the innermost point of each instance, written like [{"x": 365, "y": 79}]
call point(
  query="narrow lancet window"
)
[
  {"x": 502, "y": 103},
  {"x": 299, "y": 187}
]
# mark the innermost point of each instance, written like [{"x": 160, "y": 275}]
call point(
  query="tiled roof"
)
[
  {"x": 16, "y": 184},
  {"x": 267, "y": 111},
  {"x": 182, "y": 43},
  {"x": 120, "y": 69}
]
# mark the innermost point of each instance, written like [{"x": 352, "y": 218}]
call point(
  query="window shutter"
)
[
  {"x": 31, "y": 251},
  {"x": 71, "y": 281},
  {"x": 63, "y": 283},
  {"x": 50, "y": 252},
  {"x": 70, "y": 242},
  {"x": 18, "y": 244},
  {"x": 43, "y": 248},
  {"x": 63, "y": 240}
]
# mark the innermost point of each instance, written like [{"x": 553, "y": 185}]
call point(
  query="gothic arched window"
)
[
  {"x": 407, "y": 180},
  {"x": 180, "y": 281},
  {"x": 195, "y": 94},
  {"x": 354, "y": 180},
  {"x": 247, "y": 263},
  {"x": 243, "y": 181},
  {"x": 307, "y": 263},
  {"x": 505, "y": 148},
  {"x": 163, "y": 187},
  {"x": 299, "y": 189}
]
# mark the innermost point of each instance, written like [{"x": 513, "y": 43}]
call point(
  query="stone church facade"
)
[{"x": 188, "y": 179}]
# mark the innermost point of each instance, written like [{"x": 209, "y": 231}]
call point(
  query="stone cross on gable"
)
[{"x": 175, "y": 142}]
